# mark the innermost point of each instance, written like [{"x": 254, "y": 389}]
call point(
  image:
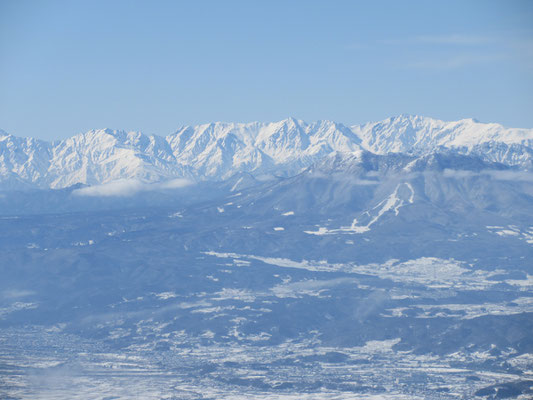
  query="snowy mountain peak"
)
[
  {"x": 120, "y": 136},
  {"x": 221, "y": 149},
  {"x": 422, "y": 135}
]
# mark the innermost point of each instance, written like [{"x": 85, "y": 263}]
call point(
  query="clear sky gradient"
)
[{"x": 70, "y": 66}]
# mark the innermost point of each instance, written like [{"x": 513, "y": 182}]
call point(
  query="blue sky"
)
[{"x": 70, "y": 66}]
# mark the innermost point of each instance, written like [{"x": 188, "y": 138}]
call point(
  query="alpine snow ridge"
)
[{"x": 218, "y": 151}]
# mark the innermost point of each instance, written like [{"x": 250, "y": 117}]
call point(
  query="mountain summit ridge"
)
[{"x": 218, "y": 150}]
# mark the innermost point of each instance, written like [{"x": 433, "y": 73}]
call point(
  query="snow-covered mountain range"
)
[
  {"x": 220, "y": 150},
  {"x": 388, "y": 260}
]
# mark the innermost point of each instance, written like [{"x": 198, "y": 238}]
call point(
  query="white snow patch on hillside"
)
[
  {"x": 166, "y": 295},
  {"x": 513, "y": 231},
  {"x": 435, "y": 273},
  {"x": 313, "y": 287},
  {"x": 463, "y": 311},
  {"x": 393, "y": 203}
]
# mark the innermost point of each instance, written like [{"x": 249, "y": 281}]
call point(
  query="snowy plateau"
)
[{"x": 285, "y": 260}]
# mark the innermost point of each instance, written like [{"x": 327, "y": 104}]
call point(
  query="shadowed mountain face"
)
[{"x": 320, "y": 274}]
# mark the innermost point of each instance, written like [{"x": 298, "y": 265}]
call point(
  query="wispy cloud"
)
[
  {"x": 499, "y": 175},
  {"x": 453, "y": 39},
  {"x": 459, "y": 173},
  {"x": 523, "y": 176},
  {"x": 458, "y": 50},
  {"x": 455, "y": 61},
  {"x": 16, "y": 293},
  {"x": 448, "y": 51},
  {"x": 456, "y": 39},
  {"x": 129, "y": 187}
]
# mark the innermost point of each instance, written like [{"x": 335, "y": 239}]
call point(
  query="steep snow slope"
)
[
  {"x": 416, "y": 134},
  {"x": 219, "y": 150},
  {"x": 23, "y": 161},
  {"x": 100, "y": 156},
  {"x": 212, "y": 151}
]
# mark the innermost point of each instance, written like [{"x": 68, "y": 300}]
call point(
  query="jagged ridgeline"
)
[{"x": 218, "y": 151}]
